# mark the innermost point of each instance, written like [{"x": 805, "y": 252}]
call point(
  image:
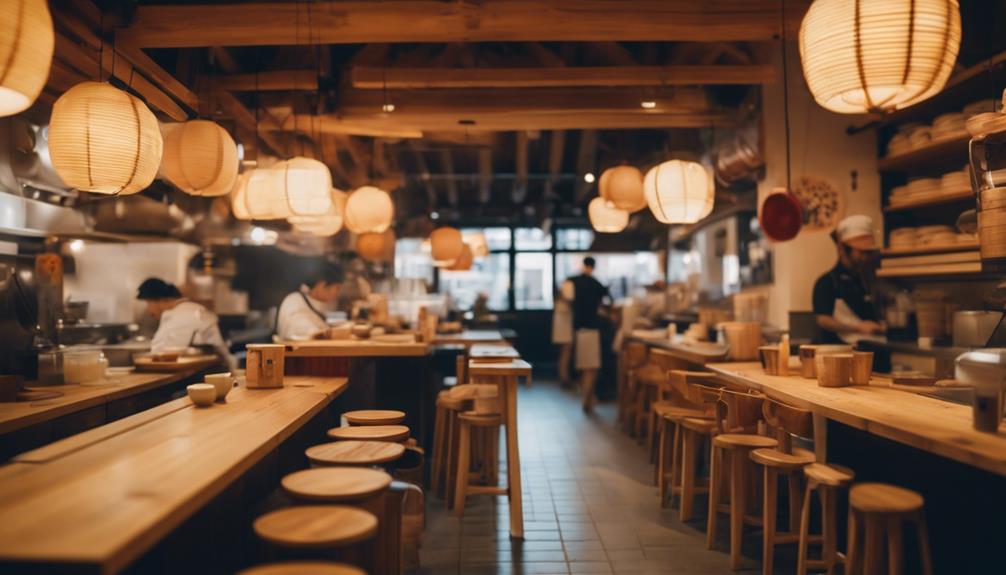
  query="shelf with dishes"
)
[
  {"x": 928, "y": 251},
  {"x": 951, "y": 150},
  {"x": 922, "y": 192},
  {"x": 921, "y": 146}
]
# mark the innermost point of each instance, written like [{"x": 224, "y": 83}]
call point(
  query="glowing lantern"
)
[
  {"x": 446, "y": 245},
  {"x": 464, "y": 261},
  {"x": 238, "y": 205},
  {"x": 26, "y": 45},
  {"x": 623, "y": 187},
  {"x": 606, "y": 218},
  {"x": 880, "y": 55},
  {"x": 328, "y": 224},
  {"x": 376, "y": 247},
  {"x": 200, "y": 157},
  {"x": 679, "y": 192},
  {"x": 478, "y": 244},
  {"x": 104, "y": 140},
  {"x": 369, "y": 210},
  {"x": 307, "y": 185},
  {"x": 264, "y": 196}
]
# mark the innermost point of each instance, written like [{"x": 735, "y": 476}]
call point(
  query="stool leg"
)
[
  {"x": 895, "y": 546},
  {"x": 662, "y": 443},
  {"x": 801, "y": 552},
  {"x": 461, "y": 483},
  {"x": 829, "y": 526},
  {"x": 793, "y": 484},
  {"x": 738, "y": 504},
  {"x": 715, "y": 470},
  {"x": 873, "y": 545},
  {"x": 674, "y": 482},
  {"x": 768, "y": 519},
  {"x": 451, "y": 459},
  {"x": 651, "y": 430},
  {"x": 513, "y": 461},
  {"x": 438, "y": 451},
  {"x": 852, "y": 559},
  {"x": 689, "y": 455},
  {"x": 924, "y": 550}
]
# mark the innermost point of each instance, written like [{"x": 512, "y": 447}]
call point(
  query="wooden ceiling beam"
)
[
  {"x": 551, "y": 120},
  {"x": 362, "y": 22},
  {"x": 268, "y": 81},
  {"x": 557, "y": 146},
  {"x": 247, "y": 121},
  {"x": 372, "y": 78},
  {"x": 333, "y": 125}
]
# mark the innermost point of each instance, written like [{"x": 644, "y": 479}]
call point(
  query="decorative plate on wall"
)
[{"x": 823, "y": 205}]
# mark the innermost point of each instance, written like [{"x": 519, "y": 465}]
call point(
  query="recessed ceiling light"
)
[
  {"x": 589, "y": 178},
  {"x": 434, "y": 215},
  {"x": 648, "y": 104}
]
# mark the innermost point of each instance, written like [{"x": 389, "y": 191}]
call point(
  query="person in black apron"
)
[
  {"x": 303, "y": 313},
  {"x": 587, "y": 294}
]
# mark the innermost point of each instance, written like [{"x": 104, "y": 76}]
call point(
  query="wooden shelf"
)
[
  {"x": 923, "y": 250},
  {"x": 933, "y": 200},
  {"x": 940, "y": 153},
  {"x": 959, "y": 269}
]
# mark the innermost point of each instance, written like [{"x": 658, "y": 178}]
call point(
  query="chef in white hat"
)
[{"x": 843, "y": 300}]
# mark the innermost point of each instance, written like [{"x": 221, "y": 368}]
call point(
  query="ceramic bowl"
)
[
  {"x": 202, "y": 394},
  {"x": 222, "y": 382}
]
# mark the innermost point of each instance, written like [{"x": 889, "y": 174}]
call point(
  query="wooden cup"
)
[
  {"x": 744, "y": 338},
  {"x": 837, "y": 370},
  {"x": 862, "y": 367},
  {"x": 807, "y": 369},
  {"x": 769, "y": 355}
]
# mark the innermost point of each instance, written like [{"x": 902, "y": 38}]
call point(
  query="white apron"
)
[
  {"x": 588, "y": 349},
  {"x": 844, "y": 314}
]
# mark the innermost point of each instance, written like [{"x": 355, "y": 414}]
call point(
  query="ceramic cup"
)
[
  {"x": 202, "y": 394},
  {"x": 222, "y": 382}
]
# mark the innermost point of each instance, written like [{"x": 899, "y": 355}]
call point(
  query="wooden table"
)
[
  {"x": 354, "y": 348},
  {"x": 699, "y": 353},
  {"x": 491, "y": 352},
  {"x": 470, "y": 337},
  {"x": 506, "y": 374},
  {"x": 99, "y": 500}
]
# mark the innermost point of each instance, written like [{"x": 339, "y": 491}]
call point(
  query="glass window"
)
[
  {"x": 574, "y": 239},
  {"x": 497, "y": 239},
  {"x": 623, "y": 274},
  {"x": 533, "y": 283},
  {"x": 532, "y": 239},
  {"x": 489, "y": 275},
  {"x": 412, "y": 261}
]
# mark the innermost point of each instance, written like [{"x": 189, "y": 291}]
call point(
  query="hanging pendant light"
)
[
  {"x": 464, "y": 261},
  {"x": 264, "y": 196},
  {"x": 376, "y": 247},
  {"x": 26, "y": 46},
  {"x": 238, "y": 205},
  {"x": 446, "y": 245},
  {"x": 200, "y": 158},
  {"x": 606, "y": 218},
  {"x": 369, "y": 210},
  {"x": 307, "y": 184},
  {"x": 679, "y": 192},
  {"x": 623, "y": 187},
  {"x": 478, "y": 243},
  {"x": 878, "y": 55},
  {"x": 104, "y": 140},
  {"x": 331, "y": 223}
]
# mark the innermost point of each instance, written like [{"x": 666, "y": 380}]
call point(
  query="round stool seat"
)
[
  {"x": 316, "y": 526},
  {"x": 697, "y": 424},
  {"x": 335, "y": 484},
  {"x": 744, "y": 440},
  {"x": 481, "y": 419},
  {"x": 446, "y": 400},
  {"x": 374, "y": 417},
  {"x": 304, "y": 568},
  {"x": 884, "y": 498},
  {"x": 370, "y": 432},
  {"x": 473, "y": 390},
  {"x": 776, "y": 458},
  {"x": 651, "y": 374},
  {"x": 353, "y": 452},
  {"x": 675, "y": 412},
  {"x": 830, "y": 474}
]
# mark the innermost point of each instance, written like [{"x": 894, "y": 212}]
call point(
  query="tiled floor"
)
[{"x": 589, "y": 507}]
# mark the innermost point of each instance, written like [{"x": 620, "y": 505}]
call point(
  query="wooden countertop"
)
[
  {"x": 354, "y": 348},
  {"x": 470, "y": 337},
  {"x": 697, "y": 352},
  {"x": 17, "y": 415},
  {"x": 936, "y": 426},
  {"x": 516, "y": 367},
  {"x": 486, "y": 351},
  {"x": 102, "y": 498}
]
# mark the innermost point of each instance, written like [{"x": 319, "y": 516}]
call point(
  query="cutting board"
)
[{"x": 144, "y": 363}]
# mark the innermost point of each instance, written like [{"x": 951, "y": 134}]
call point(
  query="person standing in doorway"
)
[{"x": 587, "y": 295}]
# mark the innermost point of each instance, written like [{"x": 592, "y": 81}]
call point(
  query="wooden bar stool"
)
[
  {"x": 469, "y": 421},
  {"x": 313, "y": 528},
  {"x": 364, "y": 488},
  {"x": 669, "y": 412},
  {"x": 374, "y": 417},
  {"x": 681, "y": 449},
  {"x": 738, "y": 416},
  {"x": 633, "y": 357},
  {"x": 662, "y": 396},
  {"x": 304, "y": 568},
  {"x": 394, "y": 433},
  {"x": 877, "y": 512},
  {"x": 353, "y": 453},
  {"x": 445, "y": 440},
  {"x": 786, "y": 461},
  {"x": 826, "y": 480}
]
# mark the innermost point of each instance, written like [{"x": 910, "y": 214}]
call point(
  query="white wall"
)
[{"x": 820, "y": 147}]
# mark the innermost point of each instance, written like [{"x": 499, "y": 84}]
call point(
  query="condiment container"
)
[
  {"x": 82, "y": 366},
  {"x": 265, "y": 365}
]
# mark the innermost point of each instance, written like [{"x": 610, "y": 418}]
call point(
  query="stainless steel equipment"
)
[
  {"x": 985, "y": 370},
  {"x": 974, "y": 328}
]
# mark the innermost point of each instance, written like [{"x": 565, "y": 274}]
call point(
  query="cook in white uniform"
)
[
  {"x": 182, "y": 323},
  {"x": 302, "y": 315}
]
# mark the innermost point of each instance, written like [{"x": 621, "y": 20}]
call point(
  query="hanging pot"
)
[{"x": 781, "y": 216}]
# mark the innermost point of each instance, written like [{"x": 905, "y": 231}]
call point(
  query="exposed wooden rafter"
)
[{"x": 269, "y": 81}]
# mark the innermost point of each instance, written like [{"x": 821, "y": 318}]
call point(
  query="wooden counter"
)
[
  {"x": 101, "y": 499},
  {"x": 470, "y": 337},
  {"x": 926, "y": 423},
  {"x": 699, "y": 353},
  {"x": 354, "y": 348}
]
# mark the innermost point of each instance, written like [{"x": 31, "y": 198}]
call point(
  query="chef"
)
[
  {"x": 844, "y": 305},
  {"x": 302, "y": 315},
  {"x": 586, "y": 294},
  {"x": 182, "y": 323}
]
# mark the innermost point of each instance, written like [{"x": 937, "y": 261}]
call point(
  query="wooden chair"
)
[
  {"x": 877, "y": 514},
  {"x": 304, "y": 568},
  {"x": 785, "y": 461},
  {"x": 683, "y": 403},
  {"x": 633, "y": 357},
  {"x": 395, "y": 433},
  {"x": 826, "y": 480},
  {"x": 374, "y": 417},
  {"x": 738, "y": 416}
]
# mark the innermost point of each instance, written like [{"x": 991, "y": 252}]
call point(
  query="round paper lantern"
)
[
  {"x": 606, "y": 218},
  {"x": 239, "y": 207},
  {"x": 446, "y": 246},
  {"x": 200, "y": 158},
  {"x": 478, "y": 244},
  {"x": 307, "y": 184},
  {"x": 330, "y": 222},
  {"x": 376, "y": 247},
  {"x": 264, "y": 196},
  {"x": 26, "y": 45},
  {"x": 369, "y": 210},
  {"x": 679, "y": 192},
  {"x": 878, "y": 55},
  {"x": 104, "y": 140},
  {"x": 464, "y": 261},
  {"x": 623, "y": 187}
]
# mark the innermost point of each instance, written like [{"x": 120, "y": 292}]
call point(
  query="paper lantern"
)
[
  {"x": 104, "y": 140},
  {"x": 606, "y": 218},
  {"x": 369, "y": 210},
  {"x": 239, "y": 207},
  {"x": 376, "y": 247},
  {"x": 478, "y": 244},
  {"x": 878, "y": 55},
  {"x": 200, "y": 158},
  {"x": 264, "y": 196},
  {"x": 464, "y": 261},
  {"x": 623, "y": 187},
  {"x": 446, "y": 246},
  {"x": 328, "y": 224},
  {"x": 307, "y": 184},
  {"x": 26, "y": 45},
  {"x": 679, "y": 192}
]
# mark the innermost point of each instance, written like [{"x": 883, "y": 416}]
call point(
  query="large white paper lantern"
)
[
  {"x": 369, "y": 210},
  {"x": 679, "y": 192},
  {"x": 446, "y": 245},
  {"x": 200, "y": 158},
  {"x": 104, "y": 140},
  {"x": 606, "y": 218},
  {"x": 265, "y": 198},
  {"x": 307, "y": 184},
  {"x": 238, "y": 205},
  {"x": 623, "y": 187},
  {"x": 878, "y": 55},
  {"x": 26, "y": 45},
  {"x": 327, "y": 224},
  {"x": 478, "y": 243}
]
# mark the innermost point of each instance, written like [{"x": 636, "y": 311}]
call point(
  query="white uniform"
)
[
  {"x": 301, "y": 317},
  {"x": 189, "y": 323}
]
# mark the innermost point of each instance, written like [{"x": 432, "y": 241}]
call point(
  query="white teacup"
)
[
  {"x": 223, "y": 382},
  {"x": 201, "y": 394}
]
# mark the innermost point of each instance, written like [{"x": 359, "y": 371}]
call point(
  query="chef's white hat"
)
[{"x": 857, "y": 231}]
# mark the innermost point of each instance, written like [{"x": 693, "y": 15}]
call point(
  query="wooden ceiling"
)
[{"x": 507, "y": 99}]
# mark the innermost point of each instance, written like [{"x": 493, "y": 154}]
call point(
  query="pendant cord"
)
[{"x": 785, "y": 97}]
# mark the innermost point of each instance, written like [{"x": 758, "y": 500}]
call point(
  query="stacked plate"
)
[
  {"x": 931, "y": 189},
  {"x": 907, "y": 238},
  {"x": 949, "y": 126},
  {"x": 920, "y": 137},
  {"x": 899, "y": 144},
  {"x": 959, "y": 180}
]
